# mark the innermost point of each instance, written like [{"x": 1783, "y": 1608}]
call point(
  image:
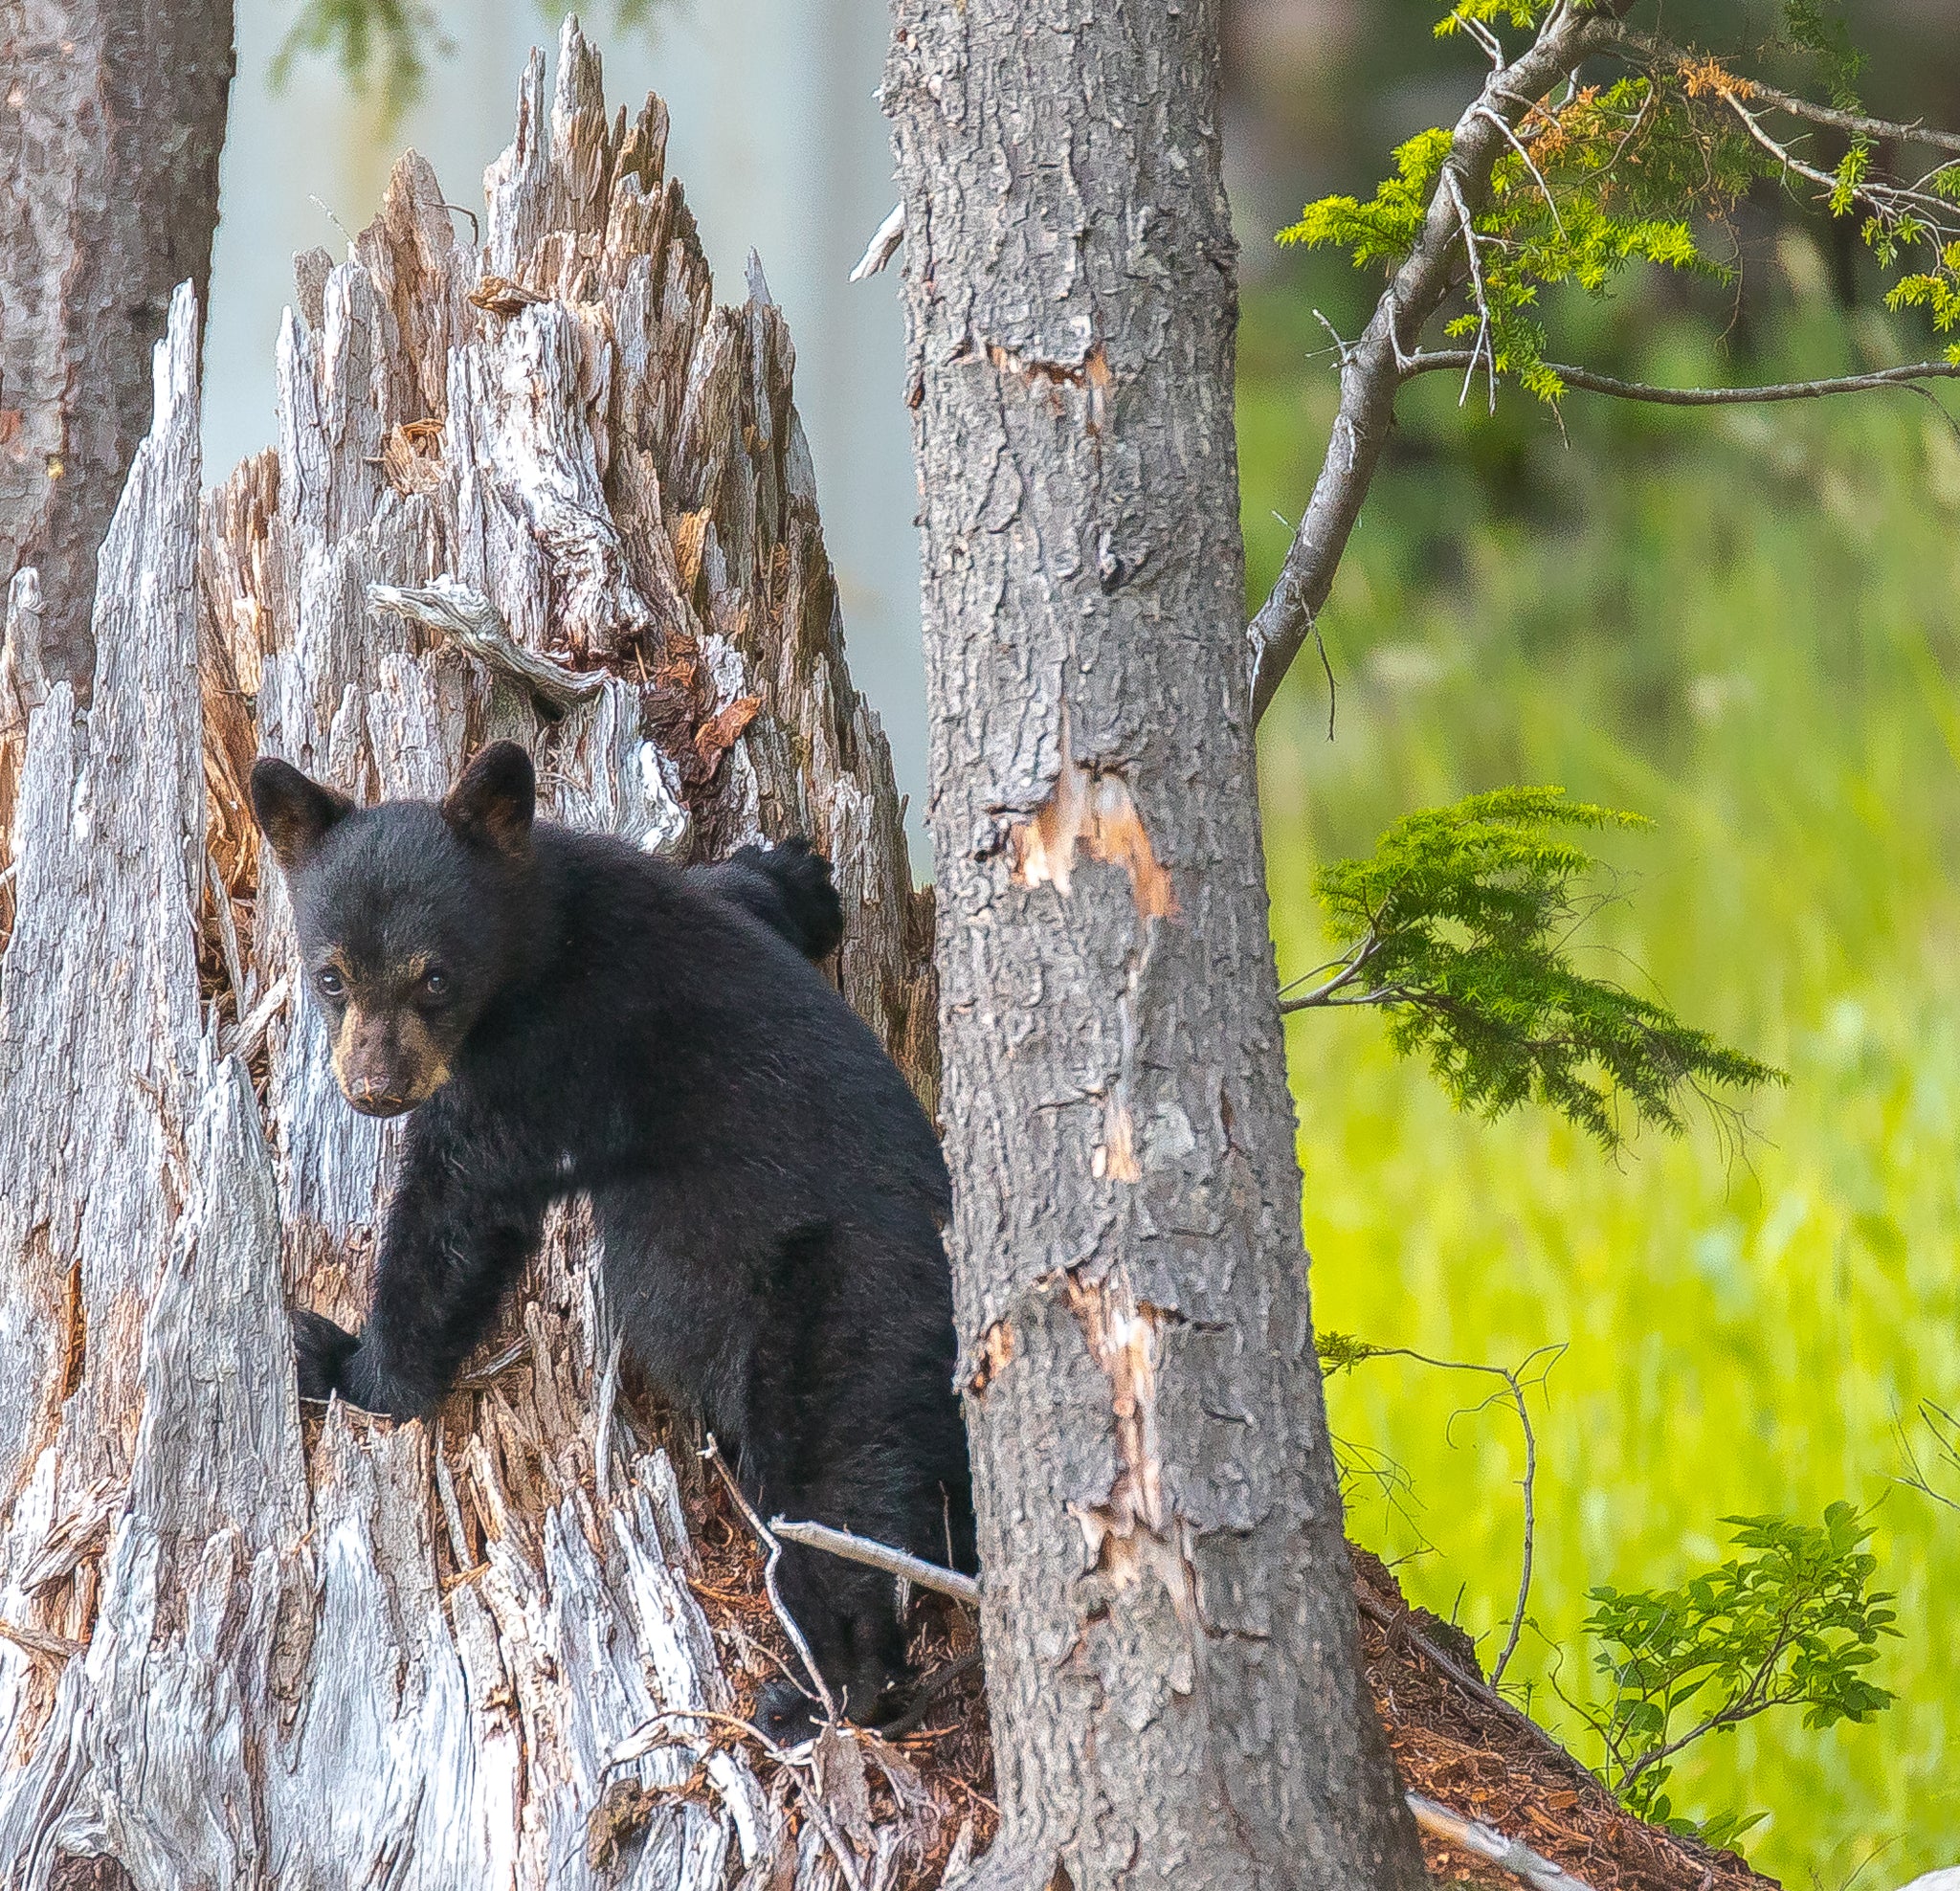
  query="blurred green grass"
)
[{"x": 1744, "y": 624}]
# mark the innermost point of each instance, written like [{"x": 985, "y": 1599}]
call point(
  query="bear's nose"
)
[{"x": 373, "y": 1098}]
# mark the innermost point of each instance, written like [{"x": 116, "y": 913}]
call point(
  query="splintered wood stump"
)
[{"x": 543, "y": 489}]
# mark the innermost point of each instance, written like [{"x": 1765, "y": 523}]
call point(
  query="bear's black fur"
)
[
  {"x": 563, "y": 1013},
  {"x": 788, "y": 887}
]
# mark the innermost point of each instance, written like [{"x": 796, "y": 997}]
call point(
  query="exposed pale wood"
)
[
  {"x": 376, "y": 1655},
  {"x": 23, "y": 689}
]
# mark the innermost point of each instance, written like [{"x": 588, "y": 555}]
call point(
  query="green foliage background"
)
[{"x": 1746, "y": 624}]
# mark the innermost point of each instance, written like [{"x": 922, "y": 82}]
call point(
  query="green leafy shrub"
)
[{"x": 1795, "y": 1623}]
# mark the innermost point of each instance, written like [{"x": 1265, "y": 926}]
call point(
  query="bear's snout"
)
[{"x": 385, "y": 1062}]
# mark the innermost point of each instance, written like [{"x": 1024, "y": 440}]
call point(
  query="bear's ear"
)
[
  {"x": 495, "y": 800},
  {"x": 293, "y": 812}
]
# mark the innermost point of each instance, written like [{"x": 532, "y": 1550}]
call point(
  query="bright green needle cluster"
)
[{"x": 1461, "y": 924}]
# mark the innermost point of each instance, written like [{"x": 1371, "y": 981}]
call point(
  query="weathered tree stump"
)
[{"x": 238, "y": 1646}]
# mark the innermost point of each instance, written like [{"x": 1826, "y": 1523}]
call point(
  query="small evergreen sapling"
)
[{"x": 1460, "y": 925}]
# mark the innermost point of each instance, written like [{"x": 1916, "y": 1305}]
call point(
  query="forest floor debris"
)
[{"x": 1450, "y": 1745}]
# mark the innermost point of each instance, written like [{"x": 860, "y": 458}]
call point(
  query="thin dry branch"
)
[
  {"x": 902, "y": 1563},
  {"x": 1657, "y": 52},
  {"x": 645, "y": 1738},
  {"x": 1944, "y": 1429},
  {"x": 1515, "y": 1384},
  {"x": 1434, "y": 361},
  {"x": 1887, "y": 201},
  {"x": 713, "y": 1454}
]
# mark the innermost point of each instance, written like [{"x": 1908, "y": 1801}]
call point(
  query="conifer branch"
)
[
  {"x": 1463, "y": 919},
  {"x": 1457, "y": 217},
  {"x": 1372, "y": 369},
  {"x": 1654, "y": 53}
]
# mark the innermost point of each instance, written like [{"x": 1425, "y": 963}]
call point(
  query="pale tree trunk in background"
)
[
  {"x": 1169, "y": 1629},
  {"x": 241, "y": 1649},
  {"x": 111, "y": 122}
]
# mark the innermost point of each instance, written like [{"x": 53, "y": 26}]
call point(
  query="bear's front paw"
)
[{"x": 324, "y": 1350}]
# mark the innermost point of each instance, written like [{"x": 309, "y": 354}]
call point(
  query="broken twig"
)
[
  {"x": 712, "y": 1452},
  {"x": 884, "y": 245},
  {"x": 914, "y": 1570},
  {"x": 450, "y": 609},
  {"x": 1487, "y": 1843}
]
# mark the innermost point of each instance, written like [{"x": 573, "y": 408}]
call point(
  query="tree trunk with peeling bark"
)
[
  {"x": 1168, "y": 1615},
  {"x": 241, "y": 1647},
  {"x": 111, "y": 122}
]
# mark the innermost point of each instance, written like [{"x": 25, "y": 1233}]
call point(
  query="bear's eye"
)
[
  {"x": 436, "y": 984},
  {"x": 331, "y": 984}
]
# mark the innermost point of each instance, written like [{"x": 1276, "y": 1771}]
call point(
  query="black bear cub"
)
[{"x": 562, "y": 1013}]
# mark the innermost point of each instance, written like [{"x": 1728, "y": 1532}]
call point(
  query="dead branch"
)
[
  {"x": 1944, "y": 1429},
  {"x": 1655, "y": 52},
  {"x": 1433, "y": 360},
  {"x": 882, "y": 247},
  {"x": 1514, "y": 1383},
  {"x": 712, "y": 1452},
  {"x": 902, "y": 1563},
  {"x": 644, "y": 1738},
  {"x": 451, "y": 609},
  {"x": 1509, "y": 1855}
]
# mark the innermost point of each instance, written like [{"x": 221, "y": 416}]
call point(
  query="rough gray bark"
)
[
  {"x": 111, "y": 123},
  {"x": 1168, "y": 1615},
  {"x": 238, "y": 1648}
]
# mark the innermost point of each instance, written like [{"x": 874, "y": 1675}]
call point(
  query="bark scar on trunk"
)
[
  {"x": 996, "y": 1349},
  {"x": 1127, "y": 1532},
  {"x": 1091, "y": 372},
  {"x": 1115, "y": 1159},
  {"x": 1091, "y": 807}
]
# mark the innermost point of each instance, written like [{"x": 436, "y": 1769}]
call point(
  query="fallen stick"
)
[
  {"x": 915, "y": 1569},
  {"x": 1487, "y": 1843}
]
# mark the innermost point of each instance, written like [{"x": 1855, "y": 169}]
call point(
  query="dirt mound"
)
[{"x": 1461, "y": 1745}]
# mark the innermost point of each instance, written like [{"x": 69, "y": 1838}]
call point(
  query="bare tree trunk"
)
[
  {"x": 238, "y": 1648},
  {"x": 111, "y": 122},
  {"x": 1169, "y": 1615}
]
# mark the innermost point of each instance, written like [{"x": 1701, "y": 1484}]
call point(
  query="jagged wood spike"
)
[{"x": 360, "y": 1653}]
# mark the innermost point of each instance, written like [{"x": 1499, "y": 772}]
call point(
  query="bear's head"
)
[{"x": 410, "y": 914}]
